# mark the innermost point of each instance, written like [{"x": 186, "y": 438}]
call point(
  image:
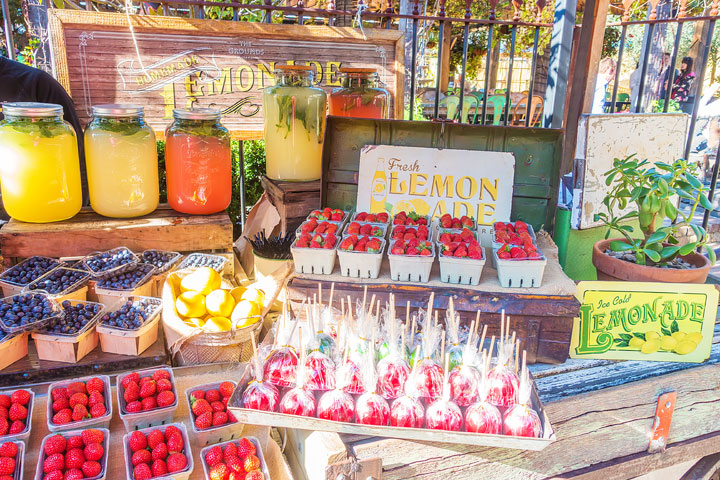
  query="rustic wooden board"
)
[
  {"x": 88, "y": 232},
  {"x": 293, "y": 200},
  {"x": 179, "y": 62}
]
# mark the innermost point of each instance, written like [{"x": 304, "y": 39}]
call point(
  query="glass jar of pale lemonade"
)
[
  {"x": 360, "y": 95},
  {"x": 39, "y": 163},
  {"x": 122, "y": 164},
  {"x": 295, "y": 114},
  {"x": 198, "y": 160}
]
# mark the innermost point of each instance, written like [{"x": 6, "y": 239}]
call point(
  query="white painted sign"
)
[{"x": 433, "y": 182}]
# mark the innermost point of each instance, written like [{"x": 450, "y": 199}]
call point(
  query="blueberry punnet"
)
[
  {"x": 29, "y": 270},
  {"x": 197, "y": 261},
  {"x": 59, "y": 280},
  {"x": 126, "y": 280},
  {"x": 75, "y": 318},
  {"x": 25, "y": 309},
  {"x": 131, "y": 315},
  {"x": 158, "y": 258},
  {"x": 102, "y": 262}
]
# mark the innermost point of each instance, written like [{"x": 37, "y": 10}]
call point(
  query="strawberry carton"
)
[
  {"x": 211, "y": 421},
  {"x": 411, "y": 219},
  {"x": 11, "y": 460},
  {"x": 519, "y": 268},
  {"x": 312, "y": 225},
  {"x": 365, "y": 229},
  {"x": 16, "y": 409},
  {"x": 411, "y": 261},
  {"x": 79, "y": 454},
  {"x": 158, "y": 452},
  {"x": 461, "y": 262},
  {"x": 449, "y": 222},
  {"x": 382, "y": 217},
  {"x": 315, "y": 253},
  {"x": 329, "y": 214},
  {"x": 513, "y": 233},
  {"x": 146, "y": 397},
  {"x": 464, "y": 235},
  {"x": 361, "y": 257},
  {"x": 79, "y": 403},
  {"x": 243, "y": 457},
  {"x": 419, "y": 232}
]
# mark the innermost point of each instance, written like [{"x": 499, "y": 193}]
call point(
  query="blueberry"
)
[
  {"x": 29, "y": 270},
  {"x": 126, "y": 280},
  {"x": 200, "y": 260},
  {"x": 102, "y": 262}
]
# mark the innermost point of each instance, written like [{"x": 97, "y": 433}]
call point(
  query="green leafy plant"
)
[
  {"x": 654, "y": 190},
  {"x": 659, "y": 105}
]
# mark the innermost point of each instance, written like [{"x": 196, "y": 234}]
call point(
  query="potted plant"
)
[{"x": 656, "y": 255}]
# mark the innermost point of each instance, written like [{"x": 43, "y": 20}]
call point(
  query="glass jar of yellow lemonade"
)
[
  {"x": 122, "y": 164},
  {"x": 39, "y": 163},
  {"x": 295, "y": 114}
]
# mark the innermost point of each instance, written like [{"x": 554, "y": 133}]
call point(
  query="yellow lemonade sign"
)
[
  {"x": 434, "y": 182},
  {"x": 644, "y": 321}
]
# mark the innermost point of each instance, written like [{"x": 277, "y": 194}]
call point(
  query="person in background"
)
[
  {"x": 606, "y": 72},
  {"x": 664, "y": 78},
  {"x": 684, "y": 82}
]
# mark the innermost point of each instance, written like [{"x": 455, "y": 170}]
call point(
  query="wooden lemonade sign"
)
[
  {"x": 167, "y": 62},
  {"x": 644, "y": 321}
]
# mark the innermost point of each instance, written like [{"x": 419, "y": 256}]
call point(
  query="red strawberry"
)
[
  {"x": 75, "y": 442},
  {"x": 137, "y": 441},
  {"x": 231, "y": 417},
  {"x": 91, "y": 469},
  {"x": 8, "y": 449},
  {"x": 219, "y": 418},
  {"x": 80, "y": 413},
  {"x": 197, "y": 395},
  {"x": 7, "y": 466},
  {"x": 155, "y": 438},
  {"x": 142, "y": 472},
  {"x": 6, "y": 402},
  {"x": 20, "y": 396},
  {"x": 78, "y": 399},
  {"x": 130, "y": 378},
  {"x": 76, "y": 387},
  {"x": 74, "y": 458},
  {"x": 97, "y": 410},
  {"x": 17, "y": 427},
  {"x": 4, "y": 426},
  {"x": 176, "y": 462},
  {"x": 503, "y": 254},
  {"x": 251, "y": 463},
  {"x": 246, "y": 448},
  {"x": 160, "y": 451},
  {"x": 60, "y": 392},
  {"x": 148, "y": 403},
  {"x": 204, "y": 421},
  {"x": 96, "y": 398},
  {"x": 314, "y": 244},
  {"x": 218, "y": 406},
  {"x": 534, "y": 254},
  {"x": 171, "y": 430},
  {"x": 219, "y": 472},
  {"x": 55, "y": 444},
  {"x": 54, "y": 462},
  {"x": 231, "y": 450},
  {"x": 133, "y": 407},
  {"x": 159, "y": 468},
  {"x": 255, "y": 475},
  {"x": 347, "y": 245},
  {"x": 59, "y": 404},
  {"x": 214, "y": 456},
  {"x": 148, "y": 389},
  {"x": 4, "y": 412},
  {"x": 201, "y": 406},
  {"x": 174, "y": 443},
  {"x": 141, "y": 456},
  {"x": 160, "y": 374},
  {"x": 54, "y": 475},
  {"x": 94, "y": 451},
  {"x": 95, "y": 385},
  {"x": 74, "y": 474},
  {"x": 165, "y": 398},
  {"x": 235, "y": 465},
  {"x": 131, "y": 393},
  {"x": 163, "y": 385},
  {"x": 17, "y": 412},
  {"x": 225, "y": 400}
]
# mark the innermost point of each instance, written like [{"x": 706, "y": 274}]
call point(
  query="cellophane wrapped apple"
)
[
  {"x": 392, "y": 371},
  {"x": 427, "y": 377},
  {"x": 464, "y": 379},
  {"x": 520, "y": 420},
  {"x": 503, "y": 382},
  {"x": 299, "y": 400},
  {"x": 482, "y": 416},
  {"x": 452, "y": 329},
  {"x": 281, "y": 365},
  {"x": 443, "y": 413},
  {"x": 371, "y": 408},
  {"x": 337, "y": 404},
  {"x": 259, "y": 394}
]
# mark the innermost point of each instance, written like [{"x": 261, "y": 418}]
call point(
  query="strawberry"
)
[
  {"x": 130, "y": 378},
  {"x": 159, "y": 468},
  {"x": 517, "y": 252},
  {"x": 330, "y": 241},
  {"x": 231, "y": 417},
  {"x": 137, "y": 441},
  {"x": 201, "y": 406},
  {"x": 160, "y": 451},
  {"x": 246, "y": 448},
  {"x": 94, "y": 451},
  {"x": 255, "y": 475},
  {"x": 4, "y": 426},
  {"x": 74, "y": 458},
  {"x": 54, "y": 475},
  {"x": 171, "y": 430},
  {"x": 91, "y": 469},
  {"x": 98, "y": 410},
  {"x": 534, "y": 255},
  {"x": 144, "y": 380},
  {"x": 176, "y": 462},
  {"x": 74, "y": 474},
  {"x": 59, "y": 404},
  {"x": 226, "y": 400},
  {"x": 219, "y": 418},
  {"x": 347, "y": 245},
  {"x": 95, "y": 399},
  {"x": 80, "y": 412},
  {"x": 231, "y": 450},
  {"x": 412, "y": 251},
  {"x": 75, "y": 442},
  {"x": 148, "y": 403},
  {"x": 218, "y": 406},
  {"x": 17, "y": 412},
  {"x": 8, "y": 449},
  {"x": 212, "y": 396},
  {"x": 7, "y": 466},
  {"x": 165, "y": 398},
  {"x": 76, "y": 387},
  {"x": 174, "y": 443},
  {"x": 60, "y": 392},
  {"x": 219, "y": 472},
  {"x": 425, "y": 252},
  {"x": 6, "y": 402},
  {"x": 214, "y": 456},
  {"x": 161, "y": 374},
  {"x": 251, "y": 462},
  {"x": 16, "y": 427},
  {"x": 142, "y": 472},
  {"x": 460, "y": 252},
  {"x": 4, "y": 413},
  {"x": 53, "y": 462},
  {"x": 132, "y": 392},
  {"x": 20, "y": 396},
  {"x": 133, "y": 407},
  {"x": 314, "y": 244},
  {"x": 78, "y": 399},
  {"x": 95, "y": 385},
  {"x": 141, "y": 456},
  {"x": 148, "y": 389},
  {"x": 197, "y": 395},
  {"x": 55, "y": 444},
  {"x": 155, "y": 438},
  {"x": 163, "y": 385}
]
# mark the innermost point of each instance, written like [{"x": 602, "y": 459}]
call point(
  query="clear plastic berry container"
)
[
  {"x": 41, "y": 285},
  {"x": 181, "y": 475},
  {"x": 25, "y": 434},
  {"x": 35, "y": 325},
  {"x": 105, "y": 271},
  {"x": 220, "y": 433},
  {"x": 174, "y": 258},
  {"x": 258, "y": 453},
  {"x": 149, "y": 418},
  {"x": 99, "y": 422},
  {"x": 198, "y": 260},
  {"x": 39, "y": 474},
  {"x": 10, "y": 287}
]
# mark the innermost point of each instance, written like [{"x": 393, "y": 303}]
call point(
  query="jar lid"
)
[
  {"x": 32, "y": 109},
  {"x": 357, "y": 70},
  {"x": 196, "y": 113},
  {"x": 118, "y": 110},
  {"x": 294, "y": 68}
]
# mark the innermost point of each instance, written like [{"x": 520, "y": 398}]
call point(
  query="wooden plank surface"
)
[{"x": 87, "y": 232}]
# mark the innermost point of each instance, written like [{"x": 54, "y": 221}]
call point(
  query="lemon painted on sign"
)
[{"x": 644, "y": 321}]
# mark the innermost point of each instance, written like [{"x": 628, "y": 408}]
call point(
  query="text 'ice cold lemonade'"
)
[
  {"x": 294, "y": 114},
  {"x": 122, "y": 164},
  {"x": 39, "y": 163},
  {"x": 198, "y": 162},
  {"x": 360, "y": 95}
]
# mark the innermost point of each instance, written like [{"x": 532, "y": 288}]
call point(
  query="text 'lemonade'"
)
[
  {"x": 360, "y": 95},
  {"x": 198, "y": 162},
  {"x": 294, "y": 114},
  {"x": 122, "y": 164},
  {"x": 39, "y": 163}
]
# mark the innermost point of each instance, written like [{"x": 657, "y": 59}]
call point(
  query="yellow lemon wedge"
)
[
  {"x": 218, "y": 324},
  {"x": 203, "y": 280},
  {"x": 237, "y": 293},
  {"x": 191, "y": 304},
  {"x": 219, "y": 303}
]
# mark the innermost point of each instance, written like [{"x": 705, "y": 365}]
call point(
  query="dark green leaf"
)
[
  {"x": 669, "y": 251},
  {"x": 674, "y": 327},
  {"x": 626, "y": 337},
  {"x": 685, "y": 195},
  {"x": 620, "y": 246},
  {"x": 609, "y": 179},
  {"x": 635, "y": 194},
  {"x": 672, "y": 240},
  {"x": 706, "y": 204},
  {"x": 627, "y": 228},
  {"x": 656, "y": 237},
  {"x": 693, "y": 181},
  {"x": 670, "y": 210},
  {"x": 639, "y": 335},
  {"x": 710, "y": 254},
  {"x": 665, "y": 331},
  {"x": 688, "y": 248},
  {"x": 663, "y": 186},
  {"x": 652, "y": 254},
  {"x": 698, "y": 231}
]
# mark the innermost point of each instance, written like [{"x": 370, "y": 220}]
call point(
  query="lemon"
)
[
  {"x": 636, "y": 342},
  {"x": 668, "y": 343},
  {"x": 247, "y": 322},
  {"x": 245, "y": 310},
  {"x": 217, "y": 324},
  {"x": 695, "y": 337},
  {"x": 650, "y": 346},
  {"x": 191, "y": 304},
  {"x": 254, "y": 295},
  {"x": 203, "y": 280},
  {"x": 652, "y": 335},
  {"x": 195, "y": 322},
  {"x": 219, "y": 303},
  {"x": 685, "y": 347},
  {"x": 679, "y": 336},
  {"x": 237, "y": 293}
]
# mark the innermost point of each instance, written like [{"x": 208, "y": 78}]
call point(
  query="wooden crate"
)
[{"x": 293, "y": 200}]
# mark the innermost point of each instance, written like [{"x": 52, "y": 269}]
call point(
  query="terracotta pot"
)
[{"x": 610, "y": 268}]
